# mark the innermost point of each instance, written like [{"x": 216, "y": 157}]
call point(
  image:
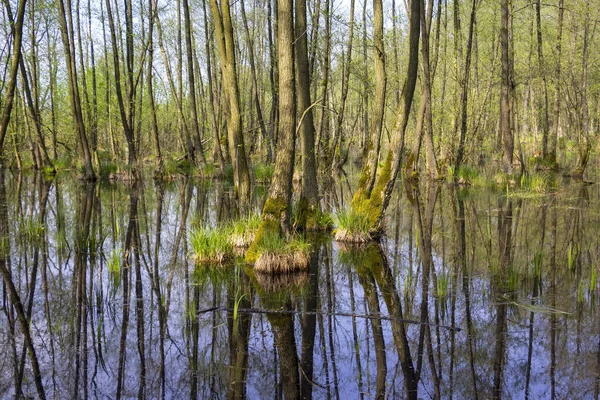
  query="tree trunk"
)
[
  {"x": 379, "y": 102},
  {"x": 198, "y": 150},
  {"x": 309, "y": 203},
  {"x": 126, "y": 110},
  {"x": 464, "y": 97},
  {"x": 276, "y": 212},
  {"x": 339, "y": 142},
  {"x": 150, "y": 83},
  {"x": 224, "y": 34},
  {"x": 17, "y": 33},
  {"x": 542, "y": 69},
  {"x": 557, "y": 94},
  {"x": 255, "y": 83},
  {"x": 584, "y": 117},
  {"x": 66, "y": 28},
  {"x": 505, "y": 112},
  {"x": 373, "y": 203}
]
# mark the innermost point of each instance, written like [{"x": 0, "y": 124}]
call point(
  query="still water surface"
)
[{"x": 470, "y": 295}]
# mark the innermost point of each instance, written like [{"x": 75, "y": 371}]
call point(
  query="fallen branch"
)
[{"x": 335, "y": 314}]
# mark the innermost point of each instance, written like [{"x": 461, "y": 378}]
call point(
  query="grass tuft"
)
[
  {"x": 244, "y": 231},
  {"x": 276, "y": 255},
  {"x": 352, "y": 228},
  {"x": 212, "y": 246}
]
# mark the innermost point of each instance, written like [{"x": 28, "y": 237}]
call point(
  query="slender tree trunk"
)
[
  {"x": 323, "y": 142},
  {"x": 552, "y": 157},
  {"x": 464, "y": 97},
  {"x": 338, "y": 144},
  {"x": 373, "y": 203},
  {"x": 150, "y": 83},
  {"x": 198, "y": 150},
  {"x": 379, "y": 103},
  {"x": 17, "y": 34},
  {"x": 224, "y": 34},
  {"x": 94, "y": 113},
  {"x": 276, "y": 212},
  {"x": 584, "y": 117},
  {"x": 310, "y": 189},
  {"x": 542, "y": 69},
  {"x": 66, "y": 28},
  {"x": 217, "y": 151},
  {"x": 255, "y": 83},
  {"x": 505, "y": 112},
  {"x": 125, "y": 109}
]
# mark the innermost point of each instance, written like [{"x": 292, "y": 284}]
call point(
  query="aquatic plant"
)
[
  {"x": 244, "y": 230},
  {"x": 212, "y": 246},
  {"x": 279, "y": 255},
  {"x": 352, "y": 227}
]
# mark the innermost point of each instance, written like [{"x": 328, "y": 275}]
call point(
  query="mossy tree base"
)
[
  {"x": 369, "y": 205},
  {"x": 269, "y": 225}
]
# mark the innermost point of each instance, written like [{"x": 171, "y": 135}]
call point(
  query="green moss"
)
[
  {"x": 269, "y": 224},
  {"x": 372, "y": 206}
]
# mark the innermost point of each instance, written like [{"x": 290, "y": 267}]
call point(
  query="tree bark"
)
[
  {"x": 464, "y": 97},
  {"x": 224, "y": 34},
  {"x": 505, "y": 111},
  {"x": 66, "y": 27},
  {"x": 309, "y": 203},
  {"x": 276, "y": 212},
  {"x": 17, "y": 33},
  {"x": 198, "y": 149},
  {"x": 379, "y": 102},
  {"x": 542, "y": 69},
  {"x": 557, "y": 94}
]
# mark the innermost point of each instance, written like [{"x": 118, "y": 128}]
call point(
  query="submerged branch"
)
[{"x": 335, "y": 314}]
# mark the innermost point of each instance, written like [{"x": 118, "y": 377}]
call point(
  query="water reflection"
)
[{"x": 471, "y": 296}]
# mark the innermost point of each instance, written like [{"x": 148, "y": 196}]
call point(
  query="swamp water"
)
[{"x": 472, "y": 294}]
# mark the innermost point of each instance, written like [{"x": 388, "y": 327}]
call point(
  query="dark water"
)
[{"x": 471, "y": 295}]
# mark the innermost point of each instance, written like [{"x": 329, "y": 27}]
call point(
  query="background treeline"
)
[{"x": 142, "y": 81}]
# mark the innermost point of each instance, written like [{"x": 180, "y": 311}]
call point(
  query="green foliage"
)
[
  {"x": 244, "y": 230},
  {"x": 263, "y": 173},
  {"x": 244, "y": 225},
  {"x": 212, "y": 246},
  {"x": 352, "y": 221},
  {"x": 276, "y": 244}
]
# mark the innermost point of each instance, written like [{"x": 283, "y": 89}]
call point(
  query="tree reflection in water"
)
[{"x": 100, "y": 300}]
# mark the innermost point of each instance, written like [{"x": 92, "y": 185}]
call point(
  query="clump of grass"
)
[
  {"x": 352, "y": 228},
  {"x": 212, "y": 246},
  {"x": 320, "y": 221},
  {"x": 537, "y": 182},
  {"x": 263, "y": 172},
  {"x": 244, "y": 231},
  {"x": 178, "y": 165},
  {"x": 466, "y": 175},
  {"x": 277, "y": 255}
]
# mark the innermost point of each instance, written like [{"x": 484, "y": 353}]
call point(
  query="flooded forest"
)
[{"x": 299, "y": 199}]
